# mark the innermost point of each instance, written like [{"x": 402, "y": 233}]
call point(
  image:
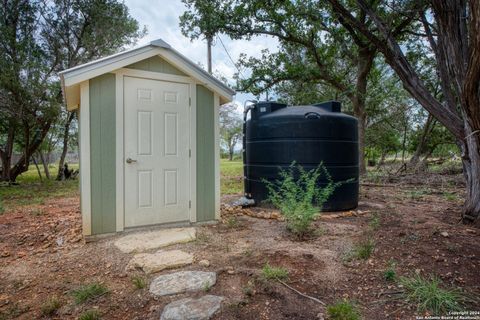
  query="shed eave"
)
[{"x": 71, "y": 78}]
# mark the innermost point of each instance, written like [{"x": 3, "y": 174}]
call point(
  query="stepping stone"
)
[
  {"x": 160, "y": 260},
  {"x": 192, "y": 309},
  {"x": 183, "y": 281},
  {"x": 143, "y": 241}
]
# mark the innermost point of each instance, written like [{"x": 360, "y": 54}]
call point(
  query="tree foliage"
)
[
  {"x": 230, "y": 128},
  {"x": 37, "y": 40}
]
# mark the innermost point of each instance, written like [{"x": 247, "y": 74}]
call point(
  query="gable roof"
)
[{"x": 71, "y": 78}]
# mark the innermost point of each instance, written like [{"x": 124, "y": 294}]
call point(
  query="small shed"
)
[{"x": 149, "y": 139}]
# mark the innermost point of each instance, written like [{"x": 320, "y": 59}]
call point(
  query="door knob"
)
[{"x": 130, "y": 160}]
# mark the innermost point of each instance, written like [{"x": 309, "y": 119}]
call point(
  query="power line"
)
[{"x": 230, "y": 57}]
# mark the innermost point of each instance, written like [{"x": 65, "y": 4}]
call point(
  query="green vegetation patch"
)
[
  {"x": 89, "y": 292},
  {"x": 299, "y": 198},
  {"x": 31, "y": 191},
  {"x": 90, "y": 315},
  {"x": 50, "y": 306},
  {"x": 139, "y": 282},
  {"x": 274, "y": 273},
  {"x": 343, "y": 310},
  {"x": 231, "y": 181},
  {"x": 429, "y": 295}
]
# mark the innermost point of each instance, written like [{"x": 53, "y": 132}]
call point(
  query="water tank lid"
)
[{"x": 332, "y": 106}]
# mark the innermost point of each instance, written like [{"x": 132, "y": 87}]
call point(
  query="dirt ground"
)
[{"x": 413, "y": 221}]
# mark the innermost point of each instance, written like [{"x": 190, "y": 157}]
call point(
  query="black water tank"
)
[{"x": 277, "y": 135}]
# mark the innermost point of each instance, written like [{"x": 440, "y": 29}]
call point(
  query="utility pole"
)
[{"x": 209, "y": 53}]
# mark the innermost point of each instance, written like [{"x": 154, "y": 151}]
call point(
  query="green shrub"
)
[
  {"x": 343, "y": 310},
  {"x": 50, "y": 306},
  {"x": 428, "y": 295},
  {"x": 90, "y": 315},
  {"x": 89, "y": 292},
  {"x": 274, "y": 273},
  {"x": 298, "y": 197},
  {"x": 139, "y": 282}
]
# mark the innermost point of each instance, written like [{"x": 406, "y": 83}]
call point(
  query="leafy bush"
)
[
  {"x": 89, "y": 292},
  {"x": 343, "y": 310},
  {"x": 428, "y": 295},
  {"x": 274, "y": 273},
  {"x": 298, "y": 197}
]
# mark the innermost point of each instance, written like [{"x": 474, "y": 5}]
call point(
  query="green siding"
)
[
  {"x": 102, "y": 153},
  {"x": 205, "y": 155},
  {"x": 156, "y": 64}
]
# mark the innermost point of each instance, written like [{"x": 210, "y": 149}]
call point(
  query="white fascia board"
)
[{"x": 105, "y": 65}]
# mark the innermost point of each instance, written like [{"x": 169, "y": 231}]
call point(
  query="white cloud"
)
[{"x": 162, "y": 21}]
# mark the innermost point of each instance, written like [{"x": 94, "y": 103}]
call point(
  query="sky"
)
[{"x": 162, "y": 21}]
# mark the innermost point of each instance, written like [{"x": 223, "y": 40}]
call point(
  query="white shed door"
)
[{"x": 156, "y": 152}]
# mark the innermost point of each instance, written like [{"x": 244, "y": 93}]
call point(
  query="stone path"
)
[
  {"x": 183, "y": 281},
  {"x": 143, "y": 241},
  {"x": 202, "y": 308},
  {"x": 192, "y": 309},
  {"x": 160, "y": 260}
]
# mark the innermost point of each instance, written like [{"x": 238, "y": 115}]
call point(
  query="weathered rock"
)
[
  {"x": 160, "y": 260},
  {"x": 192, "y": 309},
  {"x": 183, "y": 281},
  {"x": 143, "y": 241},
  {"x": 204, "y": 263}
]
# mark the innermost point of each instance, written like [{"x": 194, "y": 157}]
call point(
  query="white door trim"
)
[
  {"x": 193, "y": 154},
  {"x": 120, "y": 137},
  {"x": 119, "y": 156},
  {"x": 85, "y": 181}
]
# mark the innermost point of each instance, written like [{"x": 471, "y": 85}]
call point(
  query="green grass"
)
[
  {"x": 429, "y": 295},
  {"x": 31, "y": 191},
  {"x": 89, "y": 292},
  {"x": 374, "y": 223},
  {"x": 343, "y": 310},
  {"x": 232, "y": 222},
  {"x": 364, "y": 249},
  {"x": 274, "y": 273},
  {"x": 361, "y": 251},
  {"x": 139, "y": 282},
  {"x": 449, "y": 196},
  {"x": 231, "y": 181},
  {"x": 90, "y": 315},
  {"x": 417, "y": 194},
  {"x": 390, "y": 273},
  {"x": 51, "y": 306}
]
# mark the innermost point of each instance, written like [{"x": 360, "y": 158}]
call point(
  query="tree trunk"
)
[
  {"x": 230, "y": 153},
  {"x": 6, "y": 155},
  {"x": 22, "y": 164},
  {"x": 45, "y": 164},
  {"x": 471, "y": 171},
  {"x": 364, "y": 65},
  {"x": 38, "y": 168},
  {"x": 66, "y": 136},
  {"x": 423, "y": 141}
]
